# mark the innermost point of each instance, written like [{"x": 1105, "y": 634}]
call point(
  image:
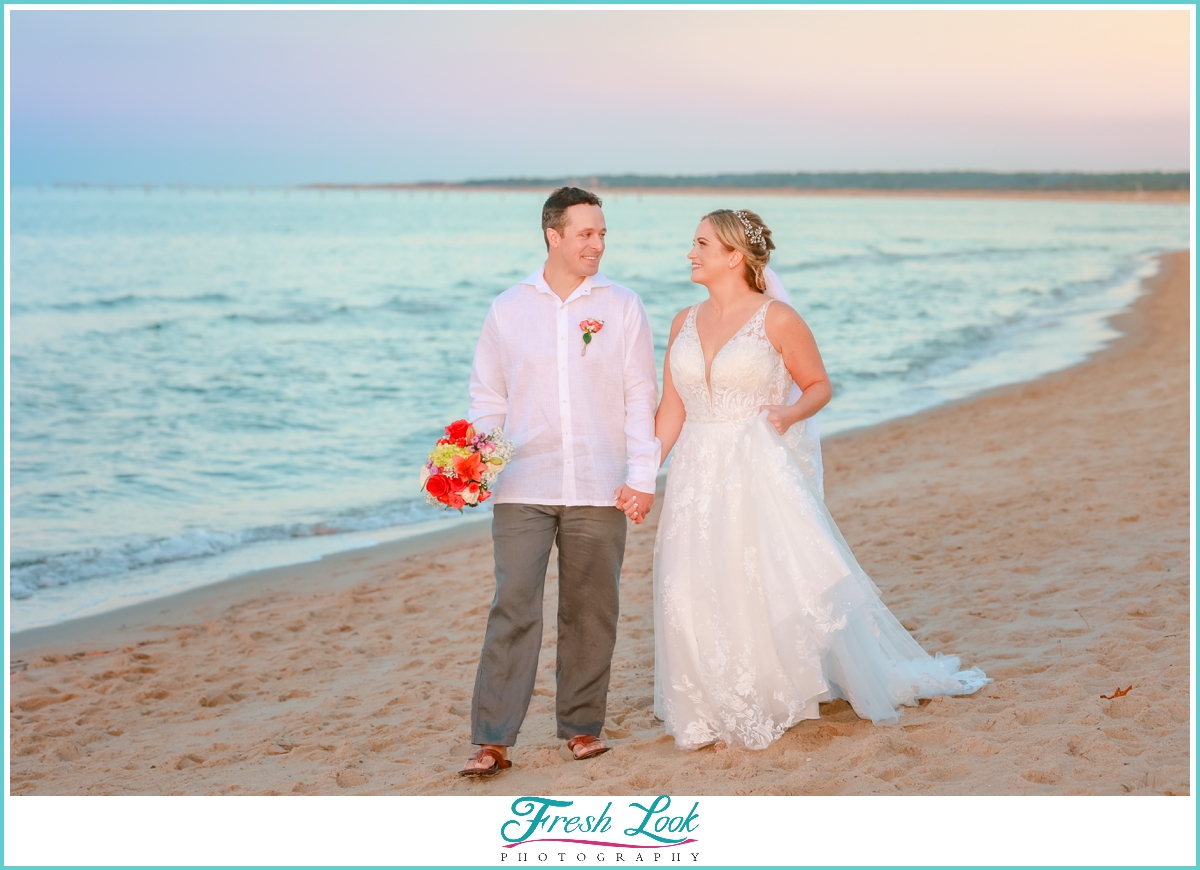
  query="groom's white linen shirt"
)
[{"x": 583, "y": 424}]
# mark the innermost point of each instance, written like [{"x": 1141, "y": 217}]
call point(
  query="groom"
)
[{"x": 565, "y": 364}]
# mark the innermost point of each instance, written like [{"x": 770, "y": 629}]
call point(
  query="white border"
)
[
  {"x": 807, "y": 831},
  {"x": 463, "y": 830}
]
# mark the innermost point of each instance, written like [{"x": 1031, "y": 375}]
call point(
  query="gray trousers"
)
[{"x": 591, "y": 546}]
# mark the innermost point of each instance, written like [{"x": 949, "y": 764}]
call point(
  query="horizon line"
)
[
  {"x": 540, "y": 180},
  {"x": 930, "y": 182}
]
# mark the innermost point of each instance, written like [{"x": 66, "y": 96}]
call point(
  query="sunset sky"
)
[{"x": 294, "y": 96}]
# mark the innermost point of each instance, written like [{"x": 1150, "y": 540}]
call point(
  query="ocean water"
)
[{"x": 206, "y": 382}]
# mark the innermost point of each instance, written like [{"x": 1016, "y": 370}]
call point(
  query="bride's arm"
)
[
  {"x": 668, "y": 421},
  {"x": 790, "y": 335}
]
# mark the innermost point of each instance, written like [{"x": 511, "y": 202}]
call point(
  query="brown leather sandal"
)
[
  {"x": 502, "y": 763},
  {"x": 589, "y": 744}
]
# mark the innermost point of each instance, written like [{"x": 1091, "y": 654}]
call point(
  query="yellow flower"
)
[{"x": 443, "y": 455}]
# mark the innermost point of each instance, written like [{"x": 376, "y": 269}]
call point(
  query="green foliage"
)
[{"x": 1084, "y": 181}]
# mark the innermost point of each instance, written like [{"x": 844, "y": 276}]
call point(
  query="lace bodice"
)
[{"x": 746, "y": 373}]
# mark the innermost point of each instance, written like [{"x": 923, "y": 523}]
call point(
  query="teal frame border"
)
[{"x": 885, "y": 3}]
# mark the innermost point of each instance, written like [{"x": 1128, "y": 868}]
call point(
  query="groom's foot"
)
[
  {"x": 585, "y": 746},
  {"x": 488, "y": 761}
]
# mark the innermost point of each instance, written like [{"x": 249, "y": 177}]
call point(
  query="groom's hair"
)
[{"x": 554, "y": 212}]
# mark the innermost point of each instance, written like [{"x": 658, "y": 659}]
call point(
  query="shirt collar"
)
[{"x": 538, "y": 282}]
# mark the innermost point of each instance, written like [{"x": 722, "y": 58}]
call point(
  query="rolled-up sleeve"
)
[
  {"x": 641, "y": 400},
  {"x": 489, "y": 392}
]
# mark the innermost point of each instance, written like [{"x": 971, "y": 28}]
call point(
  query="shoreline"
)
[
  {"x": 99, "y": 619},
  {"x": 1041, "y": 533},
  {"x": 133, "y": 621}
]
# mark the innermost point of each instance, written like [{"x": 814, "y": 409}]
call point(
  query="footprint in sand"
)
[{"x": 352, "y": 778}]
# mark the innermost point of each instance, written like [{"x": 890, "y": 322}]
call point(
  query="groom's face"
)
[{"x": 581, "y": 244}]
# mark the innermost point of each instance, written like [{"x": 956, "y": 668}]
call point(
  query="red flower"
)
[
  {"x": 484, "y": 496},
  {"x": 469, "y": 467},
  {"x": 591, "y": 325},
  {"x": 455, "y": 501},
  {"x": 438, "y": 486},
  {"x": 457, "y": 432}
]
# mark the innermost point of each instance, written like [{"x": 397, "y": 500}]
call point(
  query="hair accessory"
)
[{"x": 753, "y": 233}]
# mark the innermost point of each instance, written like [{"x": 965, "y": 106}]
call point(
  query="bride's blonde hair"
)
[{"x": 743, "y": 230}]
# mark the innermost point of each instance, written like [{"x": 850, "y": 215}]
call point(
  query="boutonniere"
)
[{"x": 590, "y": 328}]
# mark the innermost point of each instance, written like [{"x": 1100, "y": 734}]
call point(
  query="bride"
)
[{"x": 760, "y": 609}]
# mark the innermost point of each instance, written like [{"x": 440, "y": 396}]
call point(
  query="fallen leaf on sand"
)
[{"x": 1117, "y": 694}]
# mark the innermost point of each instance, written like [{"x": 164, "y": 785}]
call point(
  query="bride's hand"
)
[
  {"x": 782, "y": 417},
  {"x": 635, "y": 504}
]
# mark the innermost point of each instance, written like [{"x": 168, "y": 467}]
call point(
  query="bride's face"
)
[{"x": 710, "y": 259}]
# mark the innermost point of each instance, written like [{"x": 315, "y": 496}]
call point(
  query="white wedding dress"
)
[{"x": 760, "y": 609}]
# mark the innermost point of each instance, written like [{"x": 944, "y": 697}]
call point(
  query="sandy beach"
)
[{"x": 1041, "y": 532}]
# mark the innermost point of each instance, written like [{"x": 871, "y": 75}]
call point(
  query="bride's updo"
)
[{"x": 743, "y": 230}]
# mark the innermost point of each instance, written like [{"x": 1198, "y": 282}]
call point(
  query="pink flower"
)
[{"x": 589, "y": 328}]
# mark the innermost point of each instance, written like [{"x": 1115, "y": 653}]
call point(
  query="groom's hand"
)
[{"x": 635, "y": 504}]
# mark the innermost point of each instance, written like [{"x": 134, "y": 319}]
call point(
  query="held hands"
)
[
  {"x": 782, "y": 417},
  {"x": 635, "y": 504}
]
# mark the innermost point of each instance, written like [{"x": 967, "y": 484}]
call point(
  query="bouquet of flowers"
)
[{"x": 461, "y": 468}]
